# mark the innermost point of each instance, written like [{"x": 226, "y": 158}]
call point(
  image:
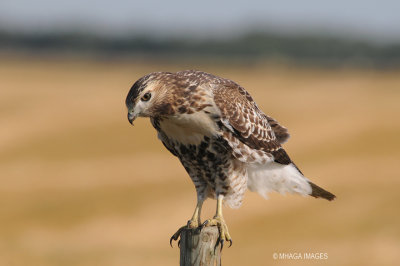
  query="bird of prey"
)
[{"x": 221, "y": 137}]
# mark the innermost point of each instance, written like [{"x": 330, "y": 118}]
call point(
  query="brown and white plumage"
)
[{"x": 224, "y": 141}]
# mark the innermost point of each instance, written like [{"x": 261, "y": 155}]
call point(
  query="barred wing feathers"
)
[
  {"x": 256, "y": 139},
  {"x": 247, "y": 124}
]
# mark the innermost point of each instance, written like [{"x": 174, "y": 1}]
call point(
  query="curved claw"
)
[
  {"x": 223, "y": 231},
  {"x": 176, "y": 236},
  {"x": 216, "y": 244},
  {"x": 204, "y": 224}
]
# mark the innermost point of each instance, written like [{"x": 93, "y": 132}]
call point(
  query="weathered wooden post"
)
[{"x": 198, "y": 247}]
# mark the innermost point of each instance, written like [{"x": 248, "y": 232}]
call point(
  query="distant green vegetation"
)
[{"x": 319, "y": 50}]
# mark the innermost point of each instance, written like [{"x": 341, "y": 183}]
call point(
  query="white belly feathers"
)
[{"x": 189, "y": 128}]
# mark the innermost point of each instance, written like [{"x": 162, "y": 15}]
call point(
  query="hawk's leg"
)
[
  {"x": 219, "y": 221},
  {"x": 194, "y": 222}
]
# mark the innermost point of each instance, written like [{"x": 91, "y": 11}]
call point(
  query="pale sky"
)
[{"x": 367, "y": 19}]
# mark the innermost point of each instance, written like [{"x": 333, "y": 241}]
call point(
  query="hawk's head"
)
[{"x": 147, "y": 97}]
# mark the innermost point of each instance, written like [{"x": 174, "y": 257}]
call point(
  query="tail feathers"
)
[{"x": 318, "y": 192}]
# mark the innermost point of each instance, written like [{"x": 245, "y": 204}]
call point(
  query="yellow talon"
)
[
  {"x": 219, "y": 221},
  {"x": 222, "y": 228},
  {"x": 194, "y": 222}
]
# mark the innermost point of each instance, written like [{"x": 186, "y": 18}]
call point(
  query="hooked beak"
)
[{"x": 131, "y": 118}]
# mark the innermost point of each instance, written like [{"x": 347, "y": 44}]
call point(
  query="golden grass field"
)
[{"x": 80, "y": 186}]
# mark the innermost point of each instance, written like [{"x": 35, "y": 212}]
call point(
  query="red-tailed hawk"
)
[{"x": 224, "y": 141}]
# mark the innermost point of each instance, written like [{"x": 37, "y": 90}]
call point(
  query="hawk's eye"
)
[{"x": 146, "y": 97}]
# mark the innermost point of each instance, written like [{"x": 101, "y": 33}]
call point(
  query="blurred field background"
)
[{"x": 81, "y": 186}]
